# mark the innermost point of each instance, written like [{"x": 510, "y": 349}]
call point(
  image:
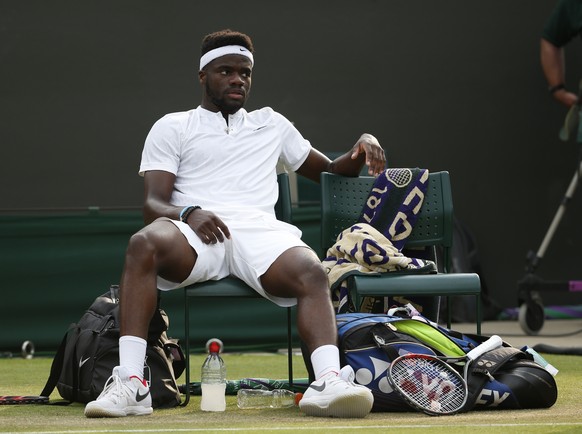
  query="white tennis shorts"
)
[{"x": 252, "y": 248}]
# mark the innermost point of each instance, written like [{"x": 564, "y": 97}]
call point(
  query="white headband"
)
[{"x": 223, "y": 51}]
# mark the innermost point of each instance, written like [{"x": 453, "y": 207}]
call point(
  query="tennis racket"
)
[
  {"x": 15, "y": 400},
  {"x": 429, "y": 384}
]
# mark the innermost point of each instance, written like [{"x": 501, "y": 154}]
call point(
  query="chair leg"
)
[
  {"x": 289, "y": 349},
  {"x": 449, "y": 311},
  {"x": 187, "y": 348},
  {"x": 478, "y": 313},
  {"x": 438, "y": 309}
]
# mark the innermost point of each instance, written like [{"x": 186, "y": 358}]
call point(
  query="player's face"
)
[{"x": 226, "y": 83}]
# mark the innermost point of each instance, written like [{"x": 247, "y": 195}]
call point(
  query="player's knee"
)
[
  {"x": 151, "y": 240},
  {"x": 158, "y": 246},
  {"x": 314, "y": 279},
  {"x": 140, "y": 246}
]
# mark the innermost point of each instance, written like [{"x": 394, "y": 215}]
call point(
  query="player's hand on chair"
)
[{"x": 369, "y": 146}]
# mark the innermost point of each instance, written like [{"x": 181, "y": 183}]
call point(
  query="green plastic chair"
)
[
  {"x": 235, "y": 288},
  {"x": 342, "y": 201}
]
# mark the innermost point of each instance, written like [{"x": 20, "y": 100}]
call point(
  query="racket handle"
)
[{"x": 490, "y": 344}]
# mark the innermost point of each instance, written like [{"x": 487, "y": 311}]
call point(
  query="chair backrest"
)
[
  {"x": 283, "y": 205},
  {"x": 343, "y": 199}
]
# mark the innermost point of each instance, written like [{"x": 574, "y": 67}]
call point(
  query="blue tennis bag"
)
[{"x": 504, "y": 378}]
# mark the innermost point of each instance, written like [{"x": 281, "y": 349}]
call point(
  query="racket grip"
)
[{"x": 490, "y": 344}]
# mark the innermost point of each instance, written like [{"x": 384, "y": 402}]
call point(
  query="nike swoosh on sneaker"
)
[
  {"x": 139, "y": 397},
  {"x": 318, "y": 388}
]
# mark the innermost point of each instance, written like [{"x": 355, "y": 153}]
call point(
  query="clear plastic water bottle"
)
[
  {"x": 213, "y": 378},
  {"x": 260, "y": 398}
]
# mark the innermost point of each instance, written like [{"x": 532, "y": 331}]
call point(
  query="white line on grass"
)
[{"x": 299, "y": 428}]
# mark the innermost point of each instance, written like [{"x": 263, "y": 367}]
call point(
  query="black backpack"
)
[{"x": 90, "y": 350}]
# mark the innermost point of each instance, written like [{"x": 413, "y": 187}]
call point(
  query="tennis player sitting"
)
[{"x": 210, "y": 190}]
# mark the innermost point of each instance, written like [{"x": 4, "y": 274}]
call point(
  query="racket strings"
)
[
  {"x": 399, "y": 177},
  {"x": 429, "y": 384}
]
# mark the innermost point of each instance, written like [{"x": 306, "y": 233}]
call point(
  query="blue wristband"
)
[
  {"x": 186, "y": 211},
  {"x": 186, "y": 208}
]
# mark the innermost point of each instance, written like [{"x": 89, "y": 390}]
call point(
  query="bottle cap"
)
[
  {"x": 298, "y": 397},
  {"x": 214, "y": 345}
]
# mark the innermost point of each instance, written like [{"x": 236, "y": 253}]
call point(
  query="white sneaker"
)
[
  {"x": 337, "y": 396},
  {"x": 121, "y": 396}
]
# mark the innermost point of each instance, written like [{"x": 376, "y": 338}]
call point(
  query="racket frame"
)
[
  {"x": 490, "y": 344},
  {"x": 442, "y": 370},
  {"x": 22, "y": 400}
]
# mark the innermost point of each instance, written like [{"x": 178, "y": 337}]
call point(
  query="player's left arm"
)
[{"x": 367, "y": 151}]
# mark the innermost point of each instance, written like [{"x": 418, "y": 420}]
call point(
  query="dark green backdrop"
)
[{"x": 450, "y": 85}]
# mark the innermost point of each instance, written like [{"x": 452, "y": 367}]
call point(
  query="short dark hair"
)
[{"x": 225, "y": 37}]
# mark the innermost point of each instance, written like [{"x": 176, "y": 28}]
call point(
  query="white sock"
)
[
  {"x": 132, "y": 351},
  {"x": 325, "y": 359}
]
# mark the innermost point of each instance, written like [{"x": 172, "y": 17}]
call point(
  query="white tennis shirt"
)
[{"x": 229, "y": 169}]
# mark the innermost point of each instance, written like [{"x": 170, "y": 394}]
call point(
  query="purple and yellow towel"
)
[
  {"x": 374, "y": 244},
  {"x": 394, "y": 202}
]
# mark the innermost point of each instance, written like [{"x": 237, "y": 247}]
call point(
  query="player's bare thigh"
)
[{"x": 294, "y": 273}]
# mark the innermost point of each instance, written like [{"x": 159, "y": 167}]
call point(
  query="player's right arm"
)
[{"x": 158, "y": 191}]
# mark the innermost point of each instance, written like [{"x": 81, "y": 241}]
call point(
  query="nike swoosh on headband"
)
[{"x": 223, "y": 51}]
